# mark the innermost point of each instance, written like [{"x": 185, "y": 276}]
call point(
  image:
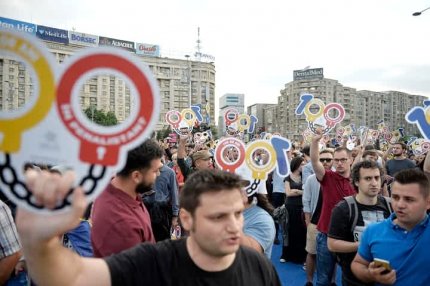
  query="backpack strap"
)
[{"x": 353, "y": 211}]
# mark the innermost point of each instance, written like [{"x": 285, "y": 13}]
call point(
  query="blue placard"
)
[
  {"x": 52, "y": 34},
  {"x": 17, "y": 25}
]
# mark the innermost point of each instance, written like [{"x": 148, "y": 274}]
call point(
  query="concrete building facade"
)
[
  {"x": 362, "y": 107},
  {"x": 178, "y": 79},
  {"x": 263, "y": 111},
  {"x": 227, "y": 101}
]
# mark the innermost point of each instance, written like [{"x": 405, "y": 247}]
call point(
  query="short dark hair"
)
[
  {"x": 414, "y": 176},
  {"x": 326, "y": 151},
  {"x": 404, "y": 147},
  {"x": 141, "y": 157},
  {"x": 369, "y": 147},
  {"x": 205, "y": 181},
  {"x": 306, "y": 150},
  {"x": 340, "y": 149},
  {"x": 370, "y": 152},
  {"x": 366, "y": 164},
  {"x": 295, "y": 163}
]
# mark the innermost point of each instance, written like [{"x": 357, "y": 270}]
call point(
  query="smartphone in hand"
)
[{"x": 382, "y": 263}]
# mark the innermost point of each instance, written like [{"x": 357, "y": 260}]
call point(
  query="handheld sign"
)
[
  {"x": 322, "y": 116},
  {"x": 52, "y": 129},
  {"x": 420, "y": 115}
]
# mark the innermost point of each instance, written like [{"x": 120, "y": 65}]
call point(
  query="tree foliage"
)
[{"x": 101, "y": 118}]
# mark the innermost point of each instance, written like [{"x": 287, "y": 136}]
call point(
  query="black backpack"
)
[{"x": 353, "y": 209}]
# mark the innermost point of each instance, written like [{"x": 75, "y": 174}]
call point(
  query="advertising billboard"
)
[
  {"x": 105, "y": 41},
  {"x": 17, "y": 25},
  {"x": 52, "y": 34},
  {"x": 148, "y": 50},
  {"x": 82, "y": 39},
  {"x": 308, "y": 74}
]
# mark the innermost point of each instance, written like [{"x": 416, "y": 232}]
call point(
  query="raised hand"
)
[{"x": 49, "y": 188}]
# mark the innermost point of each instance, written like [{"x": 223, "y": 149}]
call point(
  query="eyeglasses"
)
[
  {"x": 342, "y": 160},
  {"x": 325, "y": 160}
]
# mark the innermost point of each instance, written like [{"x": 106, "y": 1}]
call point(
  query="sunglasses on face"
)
[{"x": 325, "y": 160}]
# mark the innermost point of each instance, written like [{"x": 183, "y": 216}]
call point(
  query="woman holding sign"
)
[{"x": 295, "y": 250}]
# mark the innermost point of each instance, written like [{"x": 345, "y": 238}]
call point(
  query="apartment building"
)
[{"x": 181, "y": 81}]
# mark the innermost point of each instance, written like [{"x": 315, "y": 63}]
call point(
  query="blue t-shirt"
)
[
  {"x": 260, "y": 226},
  {"x": 407, "y": 251}
]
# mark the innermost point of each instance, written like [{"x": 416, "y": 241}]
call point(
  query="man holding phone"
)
[{"x": 402, "y": 240}]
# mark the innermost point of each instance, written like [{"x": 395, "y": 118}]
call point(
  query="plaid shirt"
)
[{"x": 9, "y": 242}]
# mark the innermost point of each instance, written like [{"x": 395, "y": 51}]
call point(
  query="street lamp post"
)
[
  {"x": 189, "y": 79},
  {"x": 420, "y": 12}
]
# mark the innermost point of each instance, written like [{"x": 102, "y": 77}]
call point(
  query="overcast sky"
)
[{"x": 367, "y": 44}]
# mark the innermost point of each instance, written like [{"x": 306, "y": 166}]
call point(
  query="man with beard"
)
[
  {"x": 120, "y": 219},
  {"x": 399, "y": 161}
]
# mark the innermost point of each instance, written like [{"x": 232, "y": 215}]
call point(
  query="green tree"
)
[
  {"x": 163, "y": 133},
  {"x": 111, "y": 119},
  {"x": 101, "y": 118}
]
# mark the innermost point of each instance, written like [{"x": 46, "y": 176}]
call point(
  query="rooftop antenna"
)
[{"x": 198, "y": 47}]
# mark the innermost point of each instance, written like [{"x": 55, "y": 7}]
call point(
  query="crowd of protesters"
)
[{"x": 322, "y": 213}]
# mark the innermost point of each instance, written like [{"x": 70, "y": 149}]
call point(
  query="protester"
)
[
  {"x": 179, "y": 177},
  {"x": 200, "y": 159},
  {"x": 211, "y": 209},
  {"x": 335, "y": 186},
  {"x": 163, "y": 204},
  {"x": 259, "y": 228},
  {"x": 295, "y": 250},
  {"x": 399, "y": 161},
  {"x": 120, "y": 219},
  {"x": 312, "y": 203},
  {"x": 307, "y": 168},
  {"x": 278, "y": 197},
  {"x": 10, "y": 246},
  {"x": 350, "y": 217},
  {"x": 402, "y": 240}
]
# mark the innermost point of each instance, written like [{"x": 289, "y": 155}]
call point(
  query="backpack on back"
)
[{"x": 353, "y": 209}]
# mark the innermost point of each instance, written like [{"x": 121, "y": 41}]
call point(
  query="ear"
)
[
  {"x": 136, "y": 176},
  {"x": 186, "y": 219},
  {"x": 356, "y": 184}
]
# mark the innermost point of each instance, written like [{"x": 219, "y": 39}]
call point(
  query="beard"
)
[{"x": 143, "y": 188}]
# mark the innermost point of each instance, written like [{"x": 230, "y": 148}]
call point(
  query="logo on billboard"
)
[
  {"x": 148, "y": 50},
  {"x": 83, "y": 39},
  {"x": 105, "y": 41},
  {"x": 308, "y": 74},
  {"x": 52, "y": 34},
  {"x": 17, "y": 25}
]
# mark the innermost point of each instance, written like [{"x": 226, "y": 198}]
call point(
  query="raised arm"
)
[
  {"x": 359, "y": 156},
  {"x": 181, "y": 147},
  {"x": 48, "y": 262},
  {"x": 315, "y": 157}
]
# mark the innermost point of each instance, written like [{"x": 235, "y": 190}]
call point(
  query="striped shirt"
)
[{"x": 9, "y": 241}]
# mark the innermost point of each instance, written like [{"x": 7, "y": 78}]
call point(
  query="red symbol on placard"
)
[
  {"x": 230, "y": 116},
  {"x": 100, "y": 148},
  {"x": 331, "y": 122},
  {"x": 222, "y": 162},
  {"x": 170, "y": 118}
]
